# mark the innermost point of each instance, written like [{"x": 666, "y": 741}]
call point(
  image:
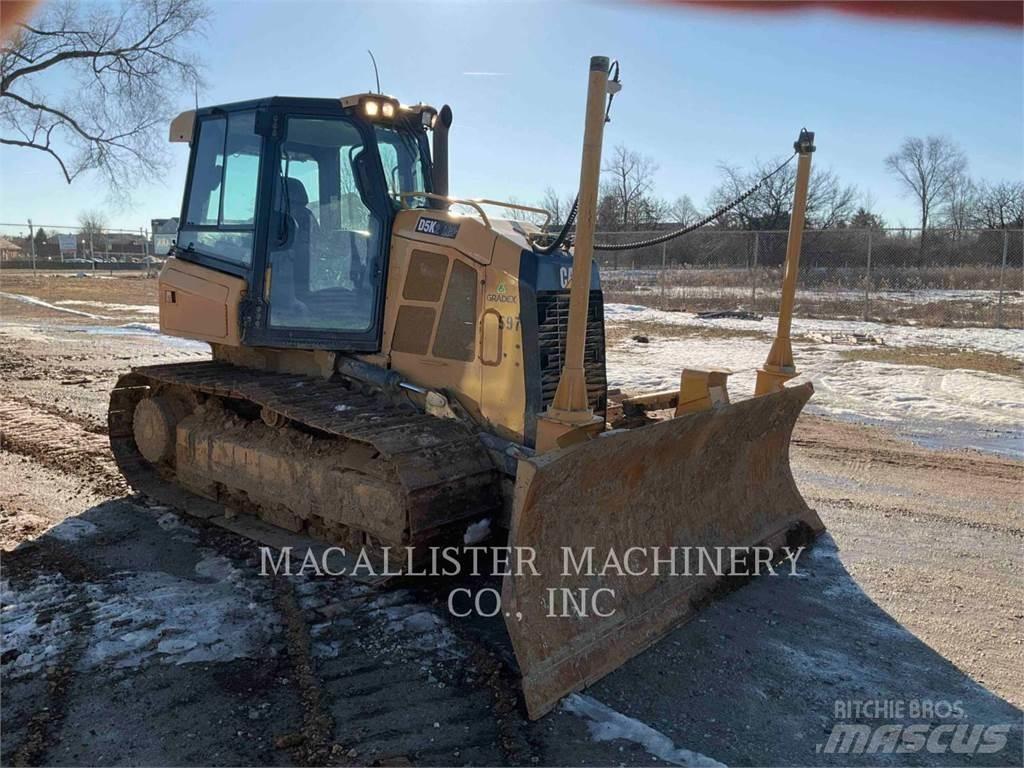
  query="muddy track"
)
[
  {"x": 60, "y": 443},
  {"x": 401, "y": 686},
  {"x": 914, "y": 514},
  {"x": 314, "y": 744},
  {"x": 904, "y": 458}
]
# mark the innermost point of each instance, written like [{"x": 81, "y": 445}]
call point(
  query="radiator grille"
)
[{"x": 552, "y": 322}]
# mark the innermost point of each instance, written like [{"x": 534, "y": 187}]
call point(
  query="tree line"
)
[{"x": 933, "y": 171}]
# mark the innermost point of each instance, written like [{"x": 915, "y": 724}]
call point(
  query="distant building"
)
[
  {"x": 8, "y": 250},
  {"x": 165, "y": 231}
]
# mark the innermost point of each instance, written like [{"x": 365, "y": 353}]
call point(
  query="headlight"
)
[
  {"x": 388, "y": 109},
  {"x": 371, "y": 108}
]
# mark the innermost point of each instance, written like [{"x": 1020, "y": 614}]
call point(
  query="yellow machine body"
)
[
  {"x": 481, "y": 394},
  {"x": 451, "y": 317}
]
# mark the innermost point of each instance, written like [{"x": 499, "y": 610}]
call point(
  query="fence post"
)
[
  {"x": 867, "y": 282},
  {"x": 664, "y": 266},
  {"x": 753, "y": 272},
  {"x": 1002, "y": 272},
  {"x": 32, "y": 248}
]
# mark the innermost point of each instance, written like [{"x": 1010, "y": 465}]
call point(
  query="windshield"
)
[{"x": 403, "y": 163}]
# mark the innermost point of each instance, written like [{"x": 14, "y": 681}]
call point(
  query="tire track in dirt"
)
[
  {"x": 314, "y": 744},
  {"x": 42, "y": 557},
  {"x": 914, "y": 515},
  {"x": 60, "y": 444}
]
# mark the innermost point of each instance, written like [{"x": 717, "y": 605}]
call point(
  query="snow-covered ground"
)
[
  {"x": 935, "y": 407},
  {"x": 652, "y": 287}
]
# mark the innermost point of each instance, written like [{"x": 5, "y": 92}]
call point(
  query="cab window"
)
[
  {"x": 221, "y": 210},
  {"x": 403, "y": 165},
  {"x": 325, "y": 241}
]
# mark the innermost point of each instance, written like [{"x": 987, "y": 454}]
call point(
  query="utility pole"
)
[{"x": 32, "y": 247}]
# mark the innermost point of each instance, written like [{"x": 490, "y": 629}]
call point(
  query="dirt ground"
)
[{"x": 133, "y": 635}]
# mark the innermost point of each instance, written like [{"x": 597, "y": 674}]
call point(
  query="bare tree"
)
[
  {"x": 125, "y": 65},
  {"x": 1000, "y": 206},
  {"x": 865, "y": 219},
  {"x": 683, "y": 211},
  {"x": 959, "y": 204},
  {"x": 517, "y": 214},
  {"x": 927, "y": 168},
  {"x": 829, "y": 202},
  {"x": 629, "y": 177},
  {"x": 608, "y": 216},
  {"x": 558, "y": 205},
  {"x": 91, "y": 226}
]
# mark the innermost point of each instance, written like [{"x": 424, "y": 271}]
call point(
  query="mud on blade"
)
[{"x": 712, "y": 479}]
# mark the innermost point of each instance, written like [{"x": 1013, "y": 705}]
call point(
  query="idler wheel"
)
[{"x": 154, "y": 424}]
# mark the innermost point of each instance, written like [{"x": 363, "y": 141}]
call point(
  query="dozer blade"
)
[{"x": 714, "y": 479}]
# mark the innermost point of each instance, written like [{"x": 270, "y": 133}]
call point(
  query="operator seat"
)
[
  {"x": 290, "y": 262},
  {"x": 306, "y": 227}
]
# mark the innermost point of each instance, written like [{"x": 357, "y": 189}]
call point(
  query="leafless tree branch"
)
[{"x": 125, "y": 64}]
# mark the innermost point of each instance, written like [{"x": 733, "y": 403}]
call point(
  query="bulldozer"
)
[{"x": 392, "y": 365}]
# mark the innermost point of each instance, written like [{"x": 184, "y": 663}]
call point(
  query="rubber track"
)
[{"x": 440, "y": 463}]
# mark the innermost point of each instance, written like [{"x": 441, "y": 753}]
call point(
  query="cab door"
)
[{"x": 326, "y": 240}]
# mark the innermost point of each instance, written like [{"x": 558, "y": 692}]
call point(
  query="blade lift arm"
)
[
  {"x": 779, "y": 367},
  {"x": 570, "y": 419}
]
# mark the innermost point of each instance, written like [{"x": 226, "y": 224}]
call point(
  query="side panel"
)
[
  {"x": 200, "y": 303},
  {"x": 501, "y": 340},
  {"x": 489, "y": 379}
]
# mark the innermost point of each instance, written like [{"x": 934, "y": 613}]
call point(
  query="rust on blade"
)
[{"x": 718, "y": 478}]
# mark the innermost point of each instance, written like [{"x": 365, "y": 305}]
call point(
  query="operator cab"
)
[{"x": 297, "y": 197}]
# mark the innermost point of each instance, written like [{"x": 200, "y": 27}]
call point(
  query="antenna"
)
[
  {"x": 195, "y": 92},
  {"x": 376, "y": 74}
]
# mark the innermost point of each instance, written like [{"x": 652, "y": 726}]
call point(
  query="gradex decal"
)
[{"x": 501, "y": 296}]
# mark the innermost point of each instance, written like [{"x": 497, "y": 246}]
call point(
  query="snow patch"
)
[
  {"x": 138, "y": 618},
  {"x": 606, "y": 724},
  {"x": 156, "y": 616},
  {"x": 141, "y": 329},
  {"x": 425, "y": 629},
  {"x": 1004, "y": 341},
  {"x": 218, "y": 568},
  {"x": 477, "y": 532},
  {"x": 73, "y": 529},
  {"x": 35, "y": 622},
  {"x": 142, "y": 309},
  {"x": 26, "y": 299},
  {"x": 934, "y": 407}
]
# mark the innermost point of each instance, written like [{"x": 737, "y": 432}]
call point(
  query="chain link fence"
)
[
  {"x": 953, "y": 278},
  {"x": 55, "y": 247},
  {"x": 969, "y": 277}
]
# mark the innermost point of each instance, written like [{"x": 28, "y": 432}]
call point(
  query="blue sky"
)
[{"x": 700, "y": 88}]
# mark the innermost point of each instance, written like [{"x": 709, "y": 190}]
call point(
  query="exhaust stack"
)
[{"x": 439, "y": 176}]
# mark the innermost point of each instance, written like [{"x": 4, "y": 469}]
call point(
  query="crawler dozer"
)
[{"x": 386, "y": 372}]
